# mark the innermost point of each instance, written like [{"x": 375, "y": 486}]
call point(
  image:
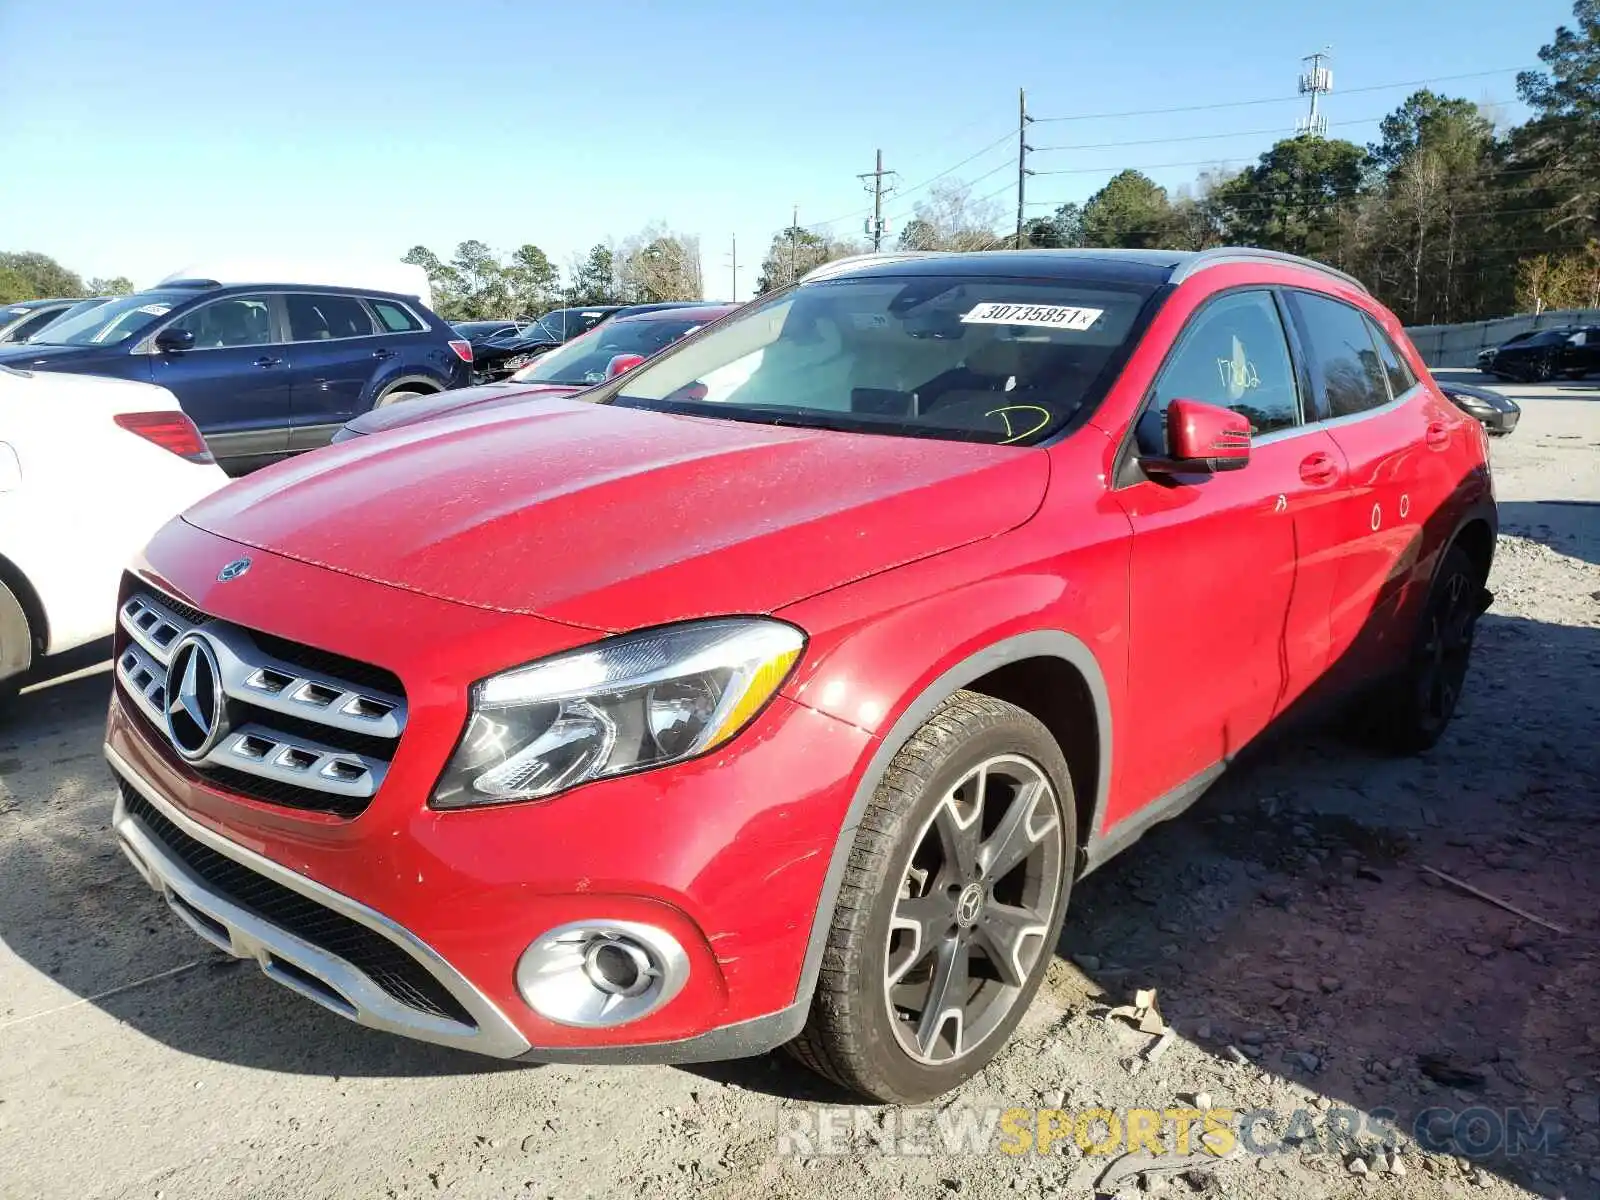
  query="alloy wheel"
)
[
  {"x": 1446, "y": 649},
  {"x": 975, "y": 904}
]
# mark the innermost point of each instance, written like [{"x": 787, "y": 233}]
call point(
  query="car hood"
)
[
  {"x": 22, "y": 355},
  {"x": 615, "y": 518},
  {"x": 425, "y": 408}
]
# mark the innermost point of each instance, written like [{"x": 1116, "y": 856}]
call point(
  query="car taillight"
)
[
  {"x": 463, "y": 349},
  {"x": 170, "y": 430}
]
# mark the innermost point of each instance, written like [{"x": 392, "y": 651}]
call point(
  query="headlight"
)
[{"x": 626, "y": 704}]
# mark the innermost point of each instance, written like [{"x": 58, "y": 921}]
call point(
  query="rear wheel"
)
[
  {"x": 951, "y": 905},
  {"x": 1415, "y": 713}
]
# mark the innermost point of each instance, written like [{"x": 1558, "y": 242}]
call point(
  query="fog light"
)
[
  {"x": 618, "y": 968},
  {"x": 599, "y": 974}
]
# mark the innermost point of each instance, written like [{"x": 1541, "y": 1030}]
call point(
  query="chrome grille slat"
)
[
  {"x": 154, "y": 626},
  {"x": 257, "y": 750},
  {"x": 261, "y": 687},
  {"x": 146, "y": 681}
]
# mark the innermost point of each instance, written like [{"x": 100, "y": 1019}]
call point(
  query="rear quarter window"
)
[
  {"x": 395, "y": 318},
  {"x": 1401, "y": 377}
]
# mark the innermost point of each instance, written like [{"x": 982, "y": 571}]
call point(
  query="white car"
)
[{"x": 90, "y": 468}]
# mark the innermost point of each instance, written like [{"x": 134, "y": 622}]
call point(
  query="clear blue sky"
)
[{"x": 134, "y": 138}]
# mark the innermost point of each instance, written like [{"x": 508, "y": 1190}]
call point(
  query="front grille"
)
[
  {"x": 375, "y": 956},
  {"x": 252, "y": 787},
  {"x": 325, "y": 662},
  {"x": 301, "y": 727}
]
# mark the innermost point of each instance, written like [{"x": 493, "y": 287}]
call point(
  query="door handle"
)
[
  {"x": 267, "y": 360},
  {"x": 1438, "y": 435},
  {"x": 380, "y": 354},
  {"x": 1318, "y": 469}
]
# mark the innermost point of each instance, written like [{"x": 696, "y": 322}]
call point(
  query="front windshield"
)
[
  {"x": 584, "y": 359},
  {"x": 77, "y": 310},
  {"x": 114, "y": 321},
  {"x": 968, "y": 358}
]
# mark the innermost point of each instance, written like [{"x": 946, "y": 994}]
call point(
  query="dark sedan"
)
[
  {"x": 604, "y": 352},
  {"x": 1498, "y": 413},
  {"x": 1543, "y": 354},
  {"x": 498, "y": 357},
  {"x": 20, "y": 321}
]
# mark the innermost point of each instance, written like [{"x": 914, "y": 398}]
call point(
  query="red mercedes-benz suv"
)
[{"x": 777, "y": 691}]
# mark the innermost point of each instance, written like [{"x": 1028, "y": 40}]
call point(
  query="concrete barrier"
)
[{"x": 1458, "y": 345}]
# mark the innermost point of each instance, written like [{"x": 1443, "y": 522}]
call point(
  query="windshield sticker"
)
[
  {"x": 869, "y": 320},
  {"x": 154, "y": 310},
  {"x": 1046, "y": 316}
]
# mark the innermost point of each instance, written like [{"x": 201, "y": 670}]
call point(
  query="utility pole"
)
[
  {"x": 734, "y": 258},
  {"x": 1023, "y": 120},
  {"x": 794, "y": 244},
  {"x": 879, "y": 190},
  {"x": 1316, "y": 82}
]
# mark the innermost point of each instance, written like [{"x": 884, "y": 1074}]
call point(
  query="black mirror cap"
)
[{"x": 172, "y": 340}]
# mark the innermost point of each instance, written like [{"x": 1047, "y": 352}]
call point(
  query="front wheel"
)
[{"x": 951, "y": 906}]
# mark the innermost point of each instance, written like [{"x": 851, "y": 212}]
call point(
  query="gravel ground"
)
[{"x": 1304, "y": 958}]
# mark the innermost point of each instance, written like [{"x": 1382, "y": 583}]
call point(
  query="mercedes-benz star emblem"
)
[
  {"x": 233, "y": 570},
  {"x": 969, "y": 905},
  {"x": 197, "y": 715}
]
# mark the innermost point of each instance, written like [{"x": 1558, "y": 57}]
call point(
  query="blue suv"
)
[{"x": 265, "y": 370}]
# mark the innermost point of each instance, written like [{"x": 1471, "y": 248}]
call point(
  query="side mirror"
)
[
  {"x": 1202, "y": 439},
  {"x": 621, "y": 363},
  {"x": 170, "y": 340}
]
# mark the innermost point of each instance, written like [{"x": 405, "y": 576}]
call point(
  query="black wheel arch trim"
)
[{"x": 1039, "y": 643}]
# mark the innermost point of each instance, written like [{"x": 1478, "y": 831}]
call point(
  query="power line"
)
[
  {"x": 917, "y": 187},
  {"x": 1213, "y": 162},
  {"x": 1197, "y": 137},
  {"x": 1187, "y": 108}
]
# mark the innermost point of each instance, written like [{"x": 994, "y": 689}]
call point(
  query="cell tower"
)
[{"x": 1316, "y": 83}]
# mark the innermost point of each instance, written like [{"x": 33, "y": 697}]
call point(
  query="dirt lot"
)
[{"x": 1303, "y": 955}]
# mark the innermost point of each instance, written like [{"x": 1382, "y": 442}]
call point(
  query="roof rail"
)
[{"x": 1223, "y": 255}]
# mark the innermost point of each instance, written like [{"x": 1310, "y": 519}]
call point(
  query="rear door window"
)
[
  {"x": 1347, "y": 377},
  {"x": 314, "y": 318},
  {"x": 395, "y": 318}
]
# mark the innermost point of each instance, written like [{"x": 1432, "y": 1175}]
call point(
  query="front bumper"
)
[
  {"x": 726, "y": 854},
  {"x": 167, "y": 848}
]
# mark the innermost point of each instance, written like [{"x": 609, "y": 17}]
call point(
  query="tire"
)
[
  {"x": 16, "y": 645},
  {"x": 905, "y": 880},
  {"x": 398, "y": 396},
  {"x": 1412, "y": 715},
  {"x": 1545, "y": 371}
]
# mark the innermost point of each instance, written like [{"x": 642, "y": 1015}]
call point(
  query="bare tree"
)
[
  {"x": 657, "y": 264},
  {"x": 948, "y": 218}
]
